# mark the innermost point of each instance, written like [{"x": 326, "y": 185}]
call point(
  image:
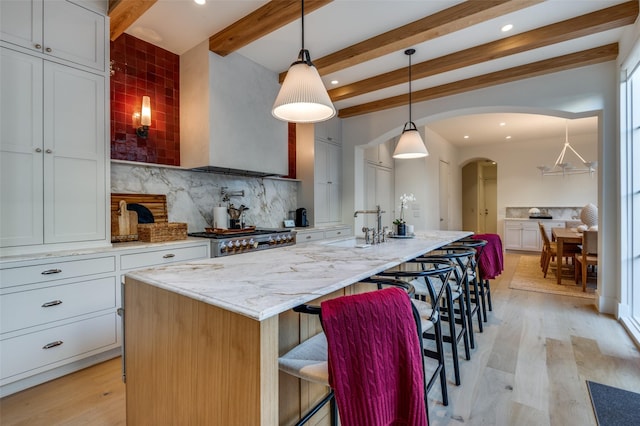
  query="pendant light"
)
[
  {"x": 410, "y": 144},
  {"x": 303, "y": 97}
]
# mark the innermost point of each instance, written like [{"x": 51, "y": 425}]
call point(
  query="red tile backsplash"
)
[{"x": 142, "y": 69}]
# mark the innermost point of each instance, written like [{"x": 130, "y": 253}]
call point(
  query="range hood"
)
[
  {"x": 226, "y": 124},
  {"x": 233, "y": 172}
]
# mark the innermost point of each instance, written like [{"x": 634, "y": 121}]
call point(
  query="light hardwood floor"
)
[{"x": 529, "y": 368}]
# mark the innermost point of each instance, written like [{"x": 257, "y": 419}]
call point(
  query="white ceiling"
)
[{"x": 179, "y": 25}]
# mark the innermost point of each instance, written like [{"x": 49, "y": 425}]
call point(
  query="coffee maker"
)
[{"x": 301, "y": 217}]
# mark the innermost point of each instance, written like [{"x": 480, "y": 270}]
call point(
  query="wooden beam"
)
[
  {"x": 260, "y": 22},
  {"x": 591, "y": 23},
  {"x": 579, "y": 59},
  {"x": 123, "y": 13},
  {"x": 446, "y": 21}
]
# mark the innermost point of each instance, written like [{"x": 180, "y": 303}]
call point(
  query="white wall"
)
[
  {"x": 421, "y": 177},
  {"x": 590, "y": 90},
  {"x": 520, "y": 183}
]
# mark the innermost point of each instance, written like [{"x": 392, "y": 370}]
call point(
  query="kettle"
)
[{"x": 301, "y": 217}]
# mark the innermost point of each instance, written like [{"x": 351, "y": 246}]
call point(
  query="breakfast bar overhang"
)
[{"x": 201, "y": 339}]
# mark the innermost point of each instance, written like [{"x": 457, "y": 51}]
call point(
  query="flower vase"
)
[{"x": 401, "y": 229}]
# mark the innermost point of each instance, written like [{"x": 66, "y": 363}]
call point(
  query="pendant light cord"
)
[
  {"x": 302, "y": 20},
  {"x": 411, "y": 53}
]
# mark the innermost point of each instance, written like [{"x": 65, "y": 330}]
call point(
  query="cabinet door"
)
[
  {"x": 531, "y": 239},
  {"x": 21, "y": 23},
  {"x": 513, "y": 237},
  {"x": 385, "y": 154},
  {"x": 74, "y": 159},
  {"x": 384, "y": 195},
  {"x": 21, "y": 204},
  {"x": 74, "y": 33},
  {"x": 328, "y": 193}
]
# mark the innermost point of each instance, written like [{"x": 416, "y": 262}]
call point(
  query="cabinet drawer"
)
[
  {"x": 160, "y": 257},
  {"x": 45, "y": 272},
  {"x": 309, "y": 236},
  {"x": 29, "y": 308},
  {"x": 333, "y": 233},
  {"x": 30, "y": 351}
]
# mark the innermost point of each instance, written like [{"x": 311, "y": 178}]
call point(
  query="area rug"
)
[
  {"x": 529, "y": 277},
  {"x": 614, "y": 406}
]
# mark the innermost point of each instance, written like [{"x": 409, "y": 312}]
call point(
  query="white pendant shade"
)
[
  {"x": 410, "y": 145},
  {"x": 303, "y": 97}
]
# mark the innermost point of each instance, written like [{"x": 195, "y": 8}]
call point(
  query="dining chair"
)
[
  {"x": 588, "y": 256},
  {"x": 351, "y": 371},
  {"x": 549, "y": 250}
]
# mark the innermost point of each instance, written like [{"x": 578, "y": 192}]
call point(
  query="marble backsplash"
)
[
  {"x": 555, "y": 212},
  {"x": 191, "y": 196}
]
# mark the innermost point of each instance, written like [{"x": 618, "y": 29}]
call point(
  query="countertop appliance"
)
[
  {"x": 301, "y": 217},
  {"x": 226, "y": 244}
]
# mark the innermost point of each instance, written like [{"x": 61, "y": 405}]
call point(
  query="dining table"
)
[{"x": 562, "y": 237}]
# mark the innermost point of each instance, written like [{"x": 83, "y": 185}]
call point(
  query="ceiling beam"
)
[
  {"x": 123, "y": 13},
  {"x": 591, "y": 23},
  {"x": 561, "y": 63},
  {"x": 447, "y": 21},
  {"x": 260, "y": 22}
]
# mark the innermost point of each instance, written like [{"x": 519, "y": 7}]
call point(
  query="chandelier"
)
[{"x": 562, "y": 167}]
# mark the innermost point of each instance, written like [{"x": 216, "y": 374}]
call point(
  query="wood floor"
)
[{"x": 529, "y": 368}]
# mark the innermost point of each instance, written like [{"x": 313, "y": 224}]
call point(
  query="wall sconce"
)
[{"x": 145, "y": 118}]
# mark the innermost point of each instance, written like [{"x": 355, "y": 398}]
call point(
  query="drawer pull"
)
[
  {"x": 53, "y": 344},
  {"x": 51, "y": 271},
  {"x": 308, "y": 237},
  {"x": 52, "y": 303},
  {"x": 168, "y": 256},
  {"x": 339, "y": 232}
]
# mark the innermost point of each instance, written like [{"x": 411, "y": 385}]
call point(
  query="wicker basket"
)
[{"x": 164, "y": 231}]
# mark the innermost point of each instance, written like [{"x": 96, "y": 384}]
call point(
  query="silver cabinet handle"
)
[
  {"x": 339, "y": 232},
  {"x": 48, "y": 49},
  {"x": 51, "y": 271},
  {"x": 48, "y": 151},
  {"x": 168, "y": 256},
  {"x": 308, "y": 237},
  {"x": 38, "y": 46},
  {"x": 38, "y": 149},
  {"x": 53, "y": 344},
  {"x": 52, "y": 303}
]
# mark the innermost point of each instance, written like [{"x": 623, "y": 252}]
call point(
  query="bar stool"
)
[
  {"x": 433, "y": 281},
  {"x": 475, "y": 280},
  {"x": 448, "y": 311},
  {"x": 309, "y": 360}
]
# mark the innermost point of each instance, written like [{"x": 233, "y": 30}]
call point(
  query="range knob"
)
[
  {"x": 237, "y": 244},
  {"x": 271, "y": 241},
  {"x": 222, "y": 247},
  {"x": 278, "y": 240},
  {"x": 253, "y": 244},
  {"x": 243, "y": 243}
]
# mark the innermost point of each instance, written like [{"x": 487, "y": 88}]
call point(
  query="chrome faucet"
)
[{"x": 379, "y": 232}]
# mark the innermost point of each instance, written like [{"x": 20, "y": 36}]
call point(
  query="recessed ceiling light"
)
[
  {"x": 508, "y": 137},
  {"x": 503, "y": 124},
  {"x": 200, "y": 1},
  {"x": 466, "y": 136},
  {"x": 334, "y": 82},
  {"x": 506, "y": 28}
]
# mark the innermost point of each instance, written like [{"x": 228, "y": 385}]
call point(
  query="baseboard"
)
[{"x": 633, "y": 328}]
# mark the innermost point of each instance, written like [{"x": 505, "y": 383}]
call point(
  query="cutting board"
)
[{"x": 124, "y": 224}]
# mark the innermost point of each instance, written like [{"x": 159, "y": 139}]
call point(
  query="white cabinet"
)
[
  {"x": 525, "y": 234},
  {"x": 60, "y": 29},
  {"x": 379, "y": 187},
  {"x": 315, "y": 234},
  {"x": 55, "y": 312},
  {"x": 59, "y": 314},
  {"x": 329, "y": 130},
  {"x": 328, "y": 190},
  {"x": 52, "y": 152},
  {"x": 381, "y": 155}
]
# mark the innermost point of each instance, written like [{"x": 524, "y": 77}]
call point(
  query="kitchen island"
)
[{"x": 202, "y": 338}]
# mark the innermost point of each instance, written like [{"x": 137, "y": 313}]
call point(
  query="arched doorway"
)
[{"x": 480, "y": 196}]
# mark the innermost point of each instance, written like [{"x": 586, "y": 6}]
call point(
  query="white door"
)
[
  {"x": 74, "y": 155},
  {"x": 444, "y": 194},
  {"x": 21, "y": 153}
]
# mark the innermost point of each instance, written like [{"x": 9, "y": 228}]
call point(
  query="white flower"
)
[{"x": 404, "y": 201}]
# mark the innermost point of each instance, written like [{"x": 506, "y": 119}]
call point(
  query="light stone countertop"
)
[{"x": 262, "y": 284}]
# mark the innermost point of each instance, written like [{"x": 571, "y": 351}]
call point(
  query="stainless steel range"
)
[{"x": 238, "y": 242}]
